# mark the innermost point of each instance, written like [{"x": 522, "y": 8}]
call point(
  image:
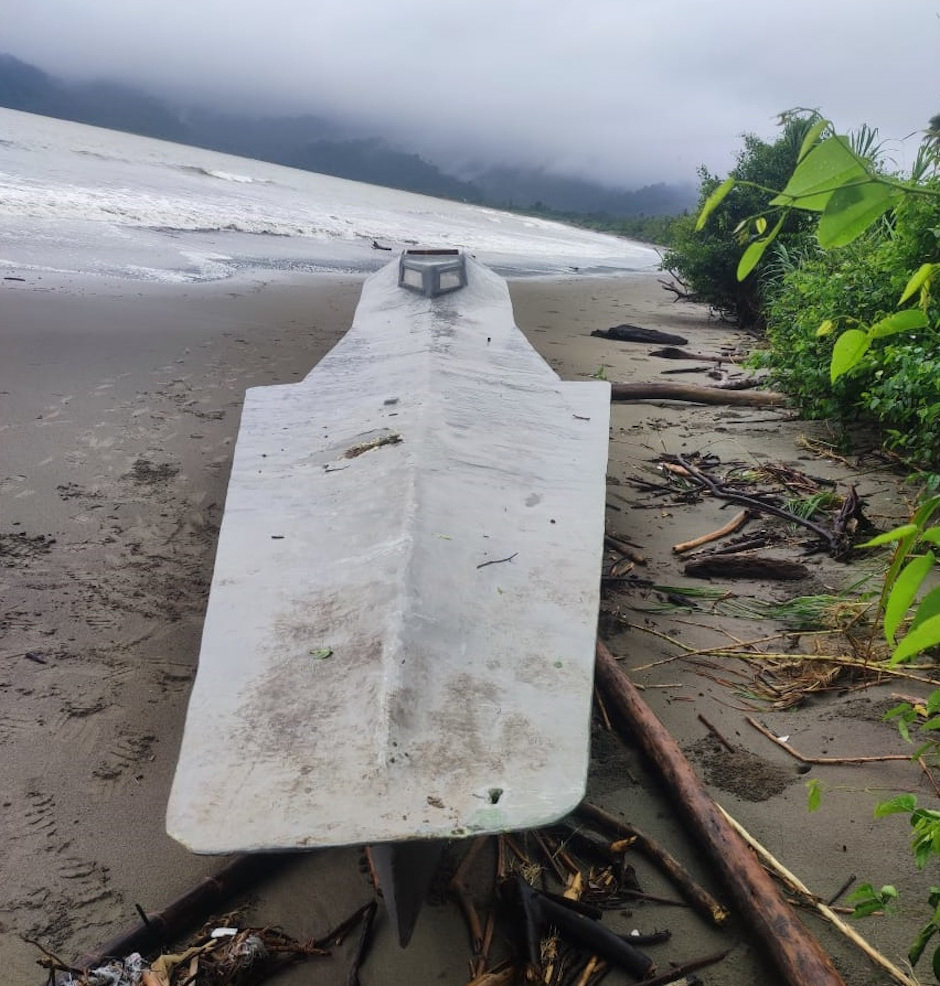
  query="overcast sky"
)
[{"x": 625, "y": 91}]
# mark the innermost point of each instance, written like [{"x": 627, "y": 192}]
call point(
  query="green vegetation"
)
[
  {"x": 838, "y": 342},
  {"x": 706, "y": 260},
  {"x": 852, "y": 328},
  {"x": 815, "y": 240}
]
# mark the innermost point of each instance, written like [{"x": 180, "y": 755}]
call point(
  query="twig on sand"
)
[
  {"x": 458, "y": 887},
  {"x": 714, "y": 731},
  {"x": 819, "y": 760},
  {"x": 506, "y": 976},
  {"x": 362, "y": 945},
  {"x": 930, "y": 778},
  {"x": 736, "y": 522},
  {"x": 681, "y": 971},
  {"x": 627, "y": 550}
]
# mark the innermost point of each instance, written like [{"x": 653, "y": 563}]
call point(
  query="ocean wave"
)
[
  {"x": 224, "y": 175},
  {"x": 90, "y": 195}
]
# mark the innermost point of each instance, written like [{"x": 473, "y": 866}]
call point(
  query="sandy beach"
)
[{"x": 119, "y": 407}]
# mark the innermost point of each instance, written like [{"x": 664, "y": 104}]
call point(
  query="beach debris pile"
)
[
  {"x": 787, "y": 516},
  {"x": 801, "y": 501},
  {"x": 219, "y": 956},
  {"x": 548, "y": 893},
  {"x": 537, "y": 905}
]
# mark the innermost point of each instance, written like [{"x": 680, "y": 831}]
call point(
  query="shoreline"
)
[{"x": 119, "y": 412}]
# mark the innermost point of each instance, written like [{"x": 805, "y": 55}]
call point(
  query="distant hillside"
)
[
  {"x": 101, "y": 104},
  {"x": 536, "y": 188},
  {"x": 316, "y": 144}
]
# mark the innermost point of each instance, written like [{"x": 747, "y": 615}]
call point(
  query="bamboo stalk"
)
[{"x": 824, "y": 909}]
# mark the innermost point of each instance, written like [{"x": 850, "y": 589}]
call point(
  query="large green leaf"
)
[
  {"x": 851, "y": 209},
  {"x": 908, "y": 320},
  {"x": 751, "y": 256},
  {"x": 928, "y": 607},
  {"x": 811, "y": 137},
  {"x": 850, "y": 347},
  {"x": 921, "y": 941},
  {"x": 813, "y": 795},
  {"x": 903, "y": 592},
  {"x": 923, "y": 274},
  {"x": 713, "y": 201},
  {"x": 919, "y": 639},
  {"x": 828, "y": 166},
  {"x": 895, "y": 534},
  {"x": 926, "y": 510},
  {"x": 901, "y": 803}
]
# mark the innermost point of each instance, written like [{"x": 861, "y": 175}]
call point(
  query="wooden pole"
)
[{"x": 797, "y": 955}]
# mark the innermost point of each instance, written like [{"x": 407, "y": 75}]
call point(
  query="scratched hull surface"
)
[{"x": 399, "y": 641}]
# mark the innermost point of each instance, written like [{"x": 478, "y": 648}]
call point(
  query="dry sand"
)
[{"x": 118, "y": 412}]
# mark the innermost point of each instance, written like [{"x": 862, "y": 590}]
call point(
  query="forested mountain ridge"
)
[{"x": 315, "y": 143}]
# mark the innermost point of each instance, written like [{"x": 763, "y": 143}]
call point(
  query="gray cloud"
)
[{"x": 625, "y": 91}]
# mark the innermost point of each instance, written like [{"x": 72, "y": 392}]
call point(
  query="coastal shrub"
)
[
  {"x": 706, "y": 259},
  {"x": 896, "y": 383},
  {"x": 802, "y": 300},
  {"x": 857, "y": 307}
]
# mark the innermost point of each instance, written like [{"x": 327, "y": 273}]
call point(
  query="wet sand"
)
[{"x": 118, "y": 413}]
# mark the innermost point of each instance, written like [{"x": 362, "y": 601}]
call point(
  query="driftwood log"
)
[
  {"x": 797, "y": 955},
  {"x": 636, "y": 333},
  {"x": 741, "y": 566},
  {"x": 673, "y": 352},
  {"x": 691, "y": 392}
]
